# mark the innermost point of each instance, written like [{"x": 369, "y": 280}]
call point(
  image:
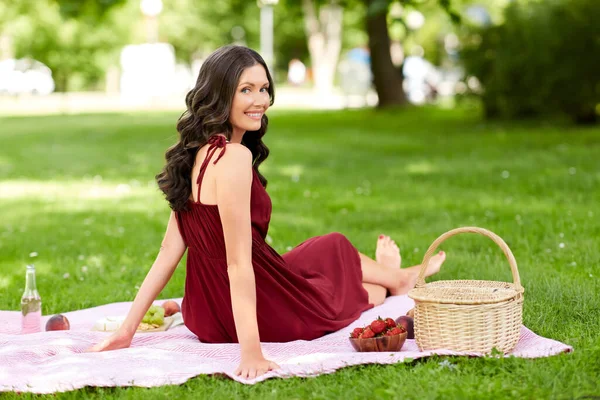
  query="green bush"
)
[{"x": 544, "y": 58}]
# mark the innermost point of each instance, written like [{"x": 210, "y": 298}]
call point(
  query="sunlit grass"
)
[
  {"x": 72, "y": 190},
  {"x": 78, "y": 199}
]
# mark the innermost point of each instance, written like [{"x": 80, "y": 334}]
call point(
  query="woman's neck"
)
[{"x": 237, "y": 136}]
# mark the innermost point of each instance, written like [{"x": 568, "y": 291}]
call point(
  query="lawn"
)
[{"x": 78, "y": 199}]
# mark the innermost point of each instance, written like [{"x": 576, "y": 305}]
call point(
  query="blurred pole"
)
[
  {"x": 266, "y": 31},
  {"x": 151, "y": 29},
  {"x": 151, "y": 9},
  {"x": 6, "y": 47}
]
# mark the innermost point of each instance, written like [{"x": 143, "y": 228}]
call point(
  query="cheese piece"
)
[{"x": 109, "y": 324}]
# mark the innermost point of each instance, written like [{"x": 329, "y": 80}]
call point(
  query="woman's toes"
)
[
  {"x": 435, "y": 263},
  {"x": 387, "y": 253}
]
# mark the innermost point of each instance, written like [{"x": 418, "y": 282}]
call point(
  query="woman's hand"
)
[
  {"x": 118, "y": 340},
  {"x": 254, "y": 367}
]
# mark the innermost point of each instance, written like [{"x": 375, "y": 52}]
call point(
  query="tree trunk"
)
[
  {"x": 61, "y": 80},
  {"x": 324, "y": 41},
  {"x": 387, "y": 79}
]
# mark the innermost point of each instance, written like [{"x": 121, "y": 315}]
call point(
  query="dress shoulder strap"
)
[{"x": 216, "y": 142}]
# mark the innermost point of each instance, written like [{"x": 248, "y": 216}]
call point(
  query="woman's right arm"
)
[{"x": 168, "y": 258}]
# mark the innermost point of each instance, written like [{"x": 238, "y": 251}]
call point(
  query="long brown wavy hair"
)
[{"x": 207, "y": 114}]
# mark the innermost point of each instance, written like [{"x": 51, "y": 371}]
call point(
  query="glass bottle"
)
[{"x": 31, "y": 304}]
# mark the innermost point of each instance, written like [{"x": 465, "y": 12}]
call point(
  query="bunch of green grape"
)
[{"x": 154, "y": 315}]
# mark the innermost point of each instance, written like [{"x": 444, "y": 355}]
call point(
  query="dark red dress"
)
[{"x": 304, "y": 294}]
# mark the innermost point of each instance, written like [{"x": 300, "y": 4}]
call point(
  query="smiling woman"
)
[
  {"x": 238, "y": 288},
  {"x": 233, "y": 82},
  {"x": 250, "y": 101}
]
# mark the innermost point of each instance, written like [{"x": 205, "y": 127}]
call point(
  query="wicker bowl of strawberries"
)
[{"x": 379, "y": 335}]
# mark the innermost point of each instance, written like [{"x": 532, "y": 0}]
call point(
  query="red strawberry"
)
[
  {"x": 395, "y": 331},
  {"x": 390, "y": 323},
  {"x": 367, "y": 333},
  {"x": 378, "y": 325},
  {"x": 356, "y": 332}
]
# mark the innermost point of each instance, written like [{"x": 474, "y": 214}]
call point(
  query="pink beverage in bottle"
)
[{"x": 31, "y": 304}]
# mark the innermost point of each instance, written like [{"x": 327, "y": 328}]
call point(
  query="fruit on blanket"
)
[
  {"x": 171, "y": 307},
  {"x": 58, "y": 322},
  {"x": 408, "y": 324},
  {"x": 397, "y": 330},
  {"x": 383, "y": 343},
  {"x": 356, "y": 333},
  {"x": 378, "y": 326},
  {"x": 367, "y": 333},
  {"x": 380, "y": 335},
  {"x": 154, "y": 316}
]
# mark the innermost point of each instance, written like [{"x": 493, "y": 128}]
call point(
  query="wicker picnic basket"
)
[{"x": 468, "y": 315}]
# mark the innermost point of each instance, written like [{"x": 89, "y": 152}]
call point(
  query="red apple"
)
[
  {"x": 171, "y": 307},
  {"x": 408, "y": 324},
  {"x": 58, "y": 322}
]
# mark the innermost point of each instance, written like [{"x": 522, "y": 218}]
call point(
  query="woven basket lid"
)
[{"x": 465, "y": 292}]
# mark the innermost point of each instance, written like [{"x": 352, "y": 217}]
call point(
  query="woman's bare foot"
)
[
  {"x": 387, "y": 252},
  {"x": 408, "y": 276},
  {"x": 435, "y": 263}
]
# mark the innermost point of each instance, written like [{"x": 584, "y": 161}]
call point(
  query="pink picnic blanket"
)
[{"x": 48, "y": 362}]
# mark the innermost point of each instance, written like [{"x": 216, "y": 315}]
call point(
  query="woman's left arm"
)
[{"x": 171, "y": 251}]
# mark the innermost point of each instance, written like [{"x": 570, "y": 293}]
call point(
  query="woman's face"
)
[{"x": 250, "y": 101}]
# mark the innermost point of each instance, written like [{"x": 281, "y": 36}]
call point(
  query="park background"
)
[{"x": 408, "y": 118}]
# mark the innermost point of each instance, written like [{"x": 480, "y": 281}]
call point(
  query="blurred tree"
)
[
  {"x": 290, "y": 37},
  {"x": 10, "y": 9},
  {"x": 77, "y": 49},
  {"x": 196, "y": 28},
  {"x": 319, "y": 29},
  {"x": 87, "y": 9},
  {"x": 323, "y": 27},
  {"x": 540, "y": 59},
  {"x": 78, "y": 39},
  {"x": 386, "y": 77}
]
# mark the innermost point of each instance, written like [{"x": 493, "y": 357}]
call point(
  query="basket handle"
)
[{"x": 469, "y": 229}]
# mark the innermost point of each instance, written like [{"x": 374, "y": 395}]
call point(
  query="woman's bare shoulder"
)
[
  {"x": 238, "y": 148},
  {"x": 236, "y": 162},
  {"x": 233, "y": 152},
  {"x": 236, "y": 156}
]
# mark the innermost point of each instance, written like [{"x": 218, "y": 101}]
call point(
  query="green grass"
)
[{"x": 79, "y": 191}]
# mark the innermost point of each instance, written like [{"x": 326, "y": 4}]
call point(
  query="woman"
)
[{"x": 238, "y": 289}]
